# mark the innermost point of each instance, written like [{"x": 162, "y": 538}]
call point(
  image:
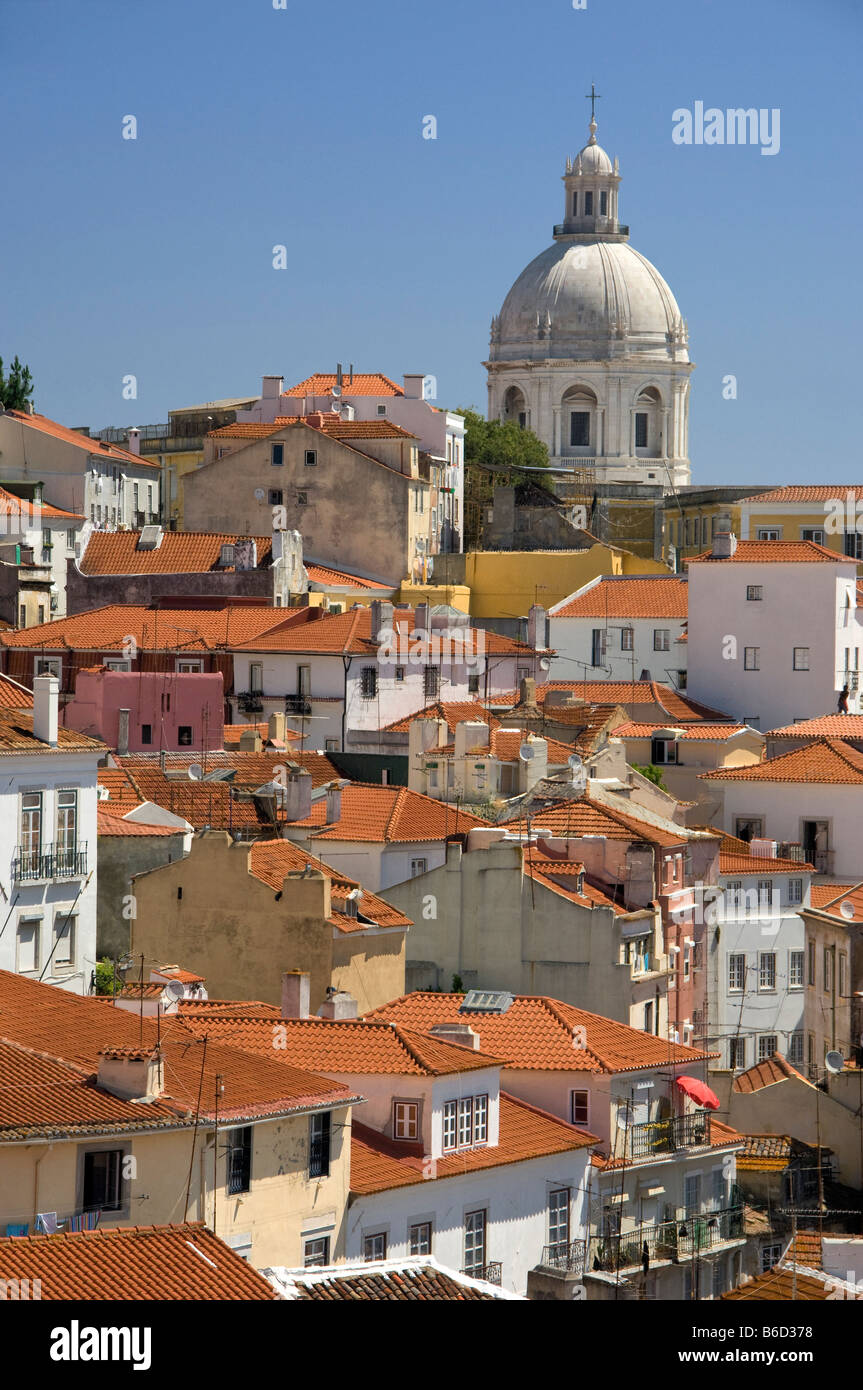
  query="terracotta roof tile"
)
[
  {"x": 571, "y": 819},
  {"x": 537, "y": 1033},
  {"x": 122, "y": 793},
  {"x": 808, "y": 492},
  {"x": 653, "y": 596},
  {"x": 13, "y": 695},
  {"x": 626, "y": 693},
  {"x": 157, "y": 629},
  {"x": 80, "y": 441},
  {"x": 387, "y": 814},
  {"x": 16, "y": 737},
  {"x": 504, "y": 745},
  {"x": 32, "y": 513},
  {"x": 153, "y": 1263},
  {"x": 272, "y": 860},
  {"x": 232, "y": 733},
  {"x": 805, "y": 1249},
  {"x": 765, "y": 1153},
  {"x": 698, "y": 729},
  {"x": 824, "y": 760},
  {"x": 787, "y": 1282},
  {"x": 557, "y": 875},
  {"x": 360, "y": 384},
  {"x": 414, "y": 1280},
  {"x": 767, "y": 1073},
  {"x": 379, "y": 1163},
  {"x": 774, "y": 553},
  {"x": 109, "y": 824},
  {"x": 845, "y": 726},
  {"x": 351, "y": 633},
  {"x": 453, "y": 712}
]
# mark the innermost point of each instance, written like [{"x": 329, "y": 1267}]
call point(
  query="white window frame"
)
[
  {"x": 575, "y": 1104},
  {"x": 406, "y": 1119},
  {"x": 766, "y": 971},
  {"x": 36, "y": 924},
  {"x": 736, "y": 970},
  {"x": 65, "y": 925},
  {"x": 189, "y": 665}
]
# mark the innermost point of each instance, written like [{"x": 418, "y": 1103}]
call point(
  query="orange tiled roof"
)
[
  {"x": 232, "y": 733},
  {"x": 571, "y": 819},
  {"x": 352, "y": 1047},
  {"x": 554, "y": 873},
  {"x": 504, "y": 745},
  {"x": 110, "y": 824},
  {"x": 789, "y": 1282},
  {"x": 330, "y": 424},
  {"x": 379, "y": 1163},
  {"x": 16, "y": 736},
  {"x": 823, "y": 894},
  {"x": 767, "y": 1073},
  {"x": 272, "y": 860},
  {"x": 833, "y": 897},
  {"x": 13, "y": 695},
  {"x": 328, "y": 578},
  {"x": 351, "y": 634},
  {"x": 721, "y": 1136},
  {"x": 846, "y": 726},
  {"x": 380, "y": 814},
  {"x": 411, "y": 1281},
  {"x": 152, "y": 1263},
  {"x": 80, "y": 441},
  {"x": 122, "y": 793},
  {"x": 643, "y": 596},
  {"x": 773, "y": 553},
  {"x": 360, "y": 384},
  {"x": 540, "y": 1034},
  {"x": 805, "y": 1249},
  {"x": 157, "y": 629},
  {"x": 186, "y": 977},
  {"x": 697, "y": 729},
  {"x": 77, "y": 1029},
  {"x": 611, "y": 693},
  {"x": 179, "y": 552},
  {"x": 736, "y": 857},
  {"x": 765, "y": 1153},
  {"x": 809, "y": 492},
  {"x": 32, "y": 513},
  {"x": 824, "y": 760},
  {"x": 453, "y": 712}
]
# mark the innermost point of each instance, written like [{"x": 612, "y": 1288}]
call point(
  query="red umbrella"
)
[{"x": 698, "y": 1091}]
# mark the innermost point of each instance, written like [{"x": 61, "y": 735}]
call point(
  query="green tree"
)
[
  {"x": 16, "y": 389},
  {"x": 106, "y": 983},
  {"x": 653, "y": 774},
  {"x": 505, "y": 446}
]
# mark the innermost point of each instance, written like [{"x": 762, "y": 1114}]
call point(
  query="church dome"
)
[
  {"x": 592, "y": 160},
  {"x": 590, "y": 299}
]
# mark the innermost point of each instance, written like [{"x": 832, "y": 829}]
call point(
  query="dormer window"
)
[
  {"x": 465, "y": 1122},
  {"x": 588, "y": 204}
]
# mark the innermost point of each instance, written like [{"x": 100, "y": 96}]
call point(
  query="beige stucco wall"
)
[
  {"x": 230, "y": 927},
  {"x": 796, "y": 1107}
]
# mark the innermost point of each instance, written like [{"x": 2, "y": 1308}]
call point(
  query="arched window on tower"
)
[
  {"x": 575, "y": 204},
  {"x": 515, "y": 407},
  {"x": 579, "y": 411},
  {"x": 648, "y": 424}
]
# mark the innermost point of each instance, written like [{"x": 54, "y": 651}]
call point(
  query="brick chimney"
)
[
  {"x": 296, "y": 987},
  {"x": 315, "y": 418},
  {"x": 132, "y": 1073}
]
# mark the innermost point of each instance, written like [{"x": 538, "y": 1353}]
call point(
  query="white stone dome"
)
[
  {"x": 589, "y": 299},
  {"x": 592, "y": 160}
]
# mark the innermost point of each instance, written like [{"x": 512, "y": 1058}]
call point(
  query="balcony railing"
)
[
  {"x": 297, "y": 704},
  {"x": 667, "y": 1136},
  {"x": 51, "y": 861},
  {"x": 566, "y": 1256},
  {"x": 251, "y": 701},
  {"x": 491, "y": 1273},
  {"x": 670, "y": 1240}
]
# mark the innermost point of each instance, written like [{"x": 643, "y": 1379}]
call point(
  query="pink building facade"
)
[{"x": 148, "y": 711}]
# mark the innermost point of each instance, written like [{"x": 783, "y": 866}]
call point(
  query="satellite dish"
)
[
  {"x": 847, "y": 909},
  {"x": 526, "y": 752},
  {"x": 834, "y": 1062},
  {"x": 196, "y": 772},
  {"x": 174, "y": 989},
  {"x": 574, "y": 761},
  {"x": 259, "y": 494},
  {"x": 336, "y": 391},
  {"x": 544, "y": 664}
]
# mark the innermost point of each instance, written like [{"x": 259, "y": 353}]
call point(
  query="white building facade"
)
[
  {"x": 48, "y": 841},
  {"x": 590, "y": 350},
  {"x": 622, "y": 629}
]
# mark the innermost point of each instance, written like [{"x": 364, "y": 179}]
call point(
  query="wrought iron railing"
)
[
  {"x": 669, "y": 1135},
  {"x": 251, "y": 701},
  {"x": 569, "y": 1256},
  {"x": 492, "y": 1273},
  {"x": 669, "y": 1240},
  {"x": 50, "y": 861},
  {"x": 297, "y": 704}
]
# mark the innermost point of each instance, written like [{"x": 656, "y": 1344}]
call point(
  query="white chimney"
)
[
  {"x": 276, "y": 727},
  {"x": 46, "y": 698},
  {"x": 338, "y": 1005},
  {"x": 250, "y": 741},
  {"x": 421, "y": 618},
  {"x": 459, "y": 1033},
  {"x": 134, "y": 441},
  {"x": 470, "y": 734},
  {"x": 334, "y": 801},
  {"x": 413, "y": 387},
  {"x": 298, "y": 794},
  {"x": 724, "y": 545},
  {"x": 382, "y": 617},
  {"x": 296, "y": 989},
  {"x": 271, "y": 387},
  {"x": 537, "y": 627}
]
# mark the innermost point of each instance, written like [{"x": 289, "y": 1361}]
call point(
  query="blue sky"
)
[{"x": 303, "y": 127}]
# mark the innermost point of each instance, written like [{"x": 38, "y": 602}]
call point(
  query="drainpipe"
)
[
  {"x": 44, "y": 1154},
  {"x": 346, "y": 662}
]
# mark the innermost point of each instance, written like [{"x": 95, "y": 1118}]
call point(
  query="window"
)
[
  {"x": 465, "y": 1121},
  {"x": 277, "y": 455},
  {"x": 449, "y": 1124},
  {"x": 31, "y": 830},
  {"x": 420, "y": 1238},
  {"x": 767, "y": 1045},
  {"x": 717, "y": 1278},
  {"x": 474, "y": 1243},
  {"x": 603, "y": 204},
  {"x": 736, "y": 972},
  {"x": 810, "y": 948},
  {"x": 382, "y": 410},
  {"x": 302, "y": 499},
  {"x": 558, "y": 1221},
  {"x": 598, "y": 646},
  {"x": 375, "y": 1247},
  {"x": 692, "y": 1193},
  {"x": 687, "y": 962},
  {"x": 661, "y": 639},
  {"x": 627, "y": 638},
  {"x": 854, "y": 545},
  {"x": 103, "y": 1182},
  {"x": 316, "y": 1252},
  {"x": 256, "y": 677},
  {"x": 405, "y": 1119},
  {"x": 640, "y": 429},
  {"x": 431, "y": 682},
  {"x": 795, "y": 892},
  {"x": 770, "y": 1256},
  {"x": 765, "y": 892},
  {"x": 795, "y": 1049},
  {"x": 575, "y": 204},
  {"x": 647, "y": 1025},
  {"x": 146, "y": 734},
  {"x": 70, "y": 540},
  {"x": 795, "y": 969},
  {"x": 754, "y": 593},
  {"x": 117, "y": 663},
  {"x": 752, "y": 658},
  {"x": 369, "y": 682},
  {"x": 588, "y": 204},
  {"x": 319, "y": 1145},
  {"x": 767, "y": 970},
  {"x": 812, "y": 533},
  {"x": 275, "y": 496},
  {"x": 47, "y": 665},
  {"x": 399, "y": 674},
  {"x": 67, "y": 820},
  {"x": 473, "y": 685},
  {"x": 418, "y": 866},
  {"x": 663, "y": 751},
  {"x": 238, "y": 1158},
  {"x": 64, "y": 940},
  {"x": 769, "y": 533},
  {"x": 189, "y": 666},
  {"x": 184, "y": 736},
  {"x": 331, "y": 745},
  {"x": 800, "y": 661},
  {"x": 480, "y": 1119},
  {"x": 737, "y": 1053},
  {"x": 22, "y": 615},
  {"x": 579, "y": 429},
  {"x": 311, "y": 458},
  {"x": 843, "y": 963},
  {"x": 828, "y": 970},
  {"x": 580, "y": 1103},
  {"x": 27, "y": 959}
]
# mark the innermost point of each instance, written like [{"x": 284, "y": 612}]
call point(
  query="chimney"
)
[
  {"x": 459, "y": 1033},
  {"x": 724, "y": 545},
  {"x": 414, "y": 385},
  {"x": 338, "y": 1005},
  {"x": 382, "y": 618},
  {"x": 132, "y": 1073},
  {"x": 250, "y": 741},
  {"x": 421, "y": 618},
  {"x": 163, "y": 760},
  {"x": 527, "y": 691},
  {"x": 46, "y": 699},
  {"x": 271, "y": 387},
  {"x": 134, "y": 441},
  {"x": 537, "y": 627},
  {"x": 296, "y": 987},
  {"x": 533, "y": 767},
  {"x": 123, "y": 730},
  {"x": 470, "y": 734},
  {"x": 298, "y": 794},
  {"x": 334, "y": 801},
  {"x": 315, "y": 419},
  {"x": 276, "y": 727}
]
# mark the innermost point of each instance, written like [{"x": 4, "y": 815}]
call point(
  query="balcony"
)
[
  {"x": 491, "y": 1273},
  {"x": 670, "y": 1240},
  {"x": 568, "y": 1257},
  {"x": 50, "y": 862},
  {"x": 251, "y": 702},
  {"x": 297, "y": 704},
  {"x": 668, "y": 1136}
]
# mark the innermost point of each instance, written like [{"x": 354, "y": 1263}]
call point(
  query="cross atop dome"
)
[{"x": 593, "y": 96}]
